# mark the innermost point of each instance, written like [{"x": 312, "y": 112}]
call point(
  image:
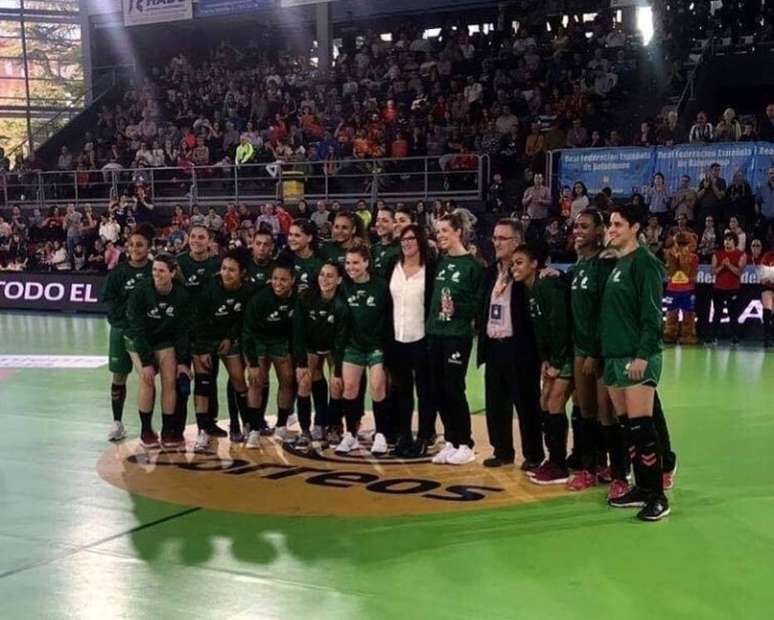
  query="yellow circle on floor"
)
[{"x": 278, "y": 479}]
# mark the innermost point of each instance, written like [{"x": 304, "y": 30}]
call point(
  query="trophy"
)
[{"x": 446, "y": 298}]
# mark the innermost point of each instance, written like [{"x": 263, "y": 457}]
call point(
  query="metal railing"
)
[
  {"x": 349, "y": 179},
  {"x": 689, "y": 91}
]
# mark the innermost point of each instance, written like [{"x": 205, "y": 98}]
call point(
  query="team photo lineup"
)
[
  {"x": 397, "y": 316},
  {"x": 375, "y": 310}
]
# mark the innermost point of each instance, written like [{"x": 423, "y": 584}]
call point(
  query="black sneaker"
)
[
  {"x": 403, "y": 448},
  {"x": 303, "y": 441},
  {"x": 264, "y": 429},
  {"x": 420, "y": 448},
  {"x": 215, "y": 431},
  {"x": 635, "y": 498},
  {"x": 654, "y": 510},
  {"x": 235, "y": 434},
  {"x": 496, "y": 461}
]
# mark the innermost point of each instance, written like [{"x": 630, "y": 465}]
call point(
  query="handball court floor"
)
[{"x": 74, "y": 546}]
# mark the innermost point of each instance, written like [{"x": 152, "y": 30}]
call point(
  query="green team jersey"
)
[
  {"x": 197, "y": 273},
  {"x": 588, "y": 283},
  {"x": 306, "y": 270},
  {"x": 367, "y": 321},
  {"x": 463, "y": 278},
  {"x": 157, "y": 320},
  {"x": 549, "y": 306},
  {"x": 333, "y": 251},
  {"x": 260, "y": 273},
  {"x": 218, "y": 313},
  {"x": 268, "y": 319},
  {"x": 383, "y": 255},
  {"x": 120, "y": 283},
  {"x": 630, "y": 317},
  {"x": 319, "y": 325}
]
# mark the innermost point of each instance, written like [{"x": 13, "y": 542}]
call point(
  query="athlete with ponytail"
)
[
  {"x": 157, "y": 338},
  {"x": 319, "y": 337},
  {"x": 455, "y": 309},
  {"x": 198, "y": 267},
  {"x": 348, "y": 230},
  {"x": 121, "y": 281},
  {"x": 549, "y": 303},
  {"x": 259, "y": 270},
  {"x": 302, "y": 252},
  {"x": 366, "y": 297},
  {"x": 217, "y": 330}
]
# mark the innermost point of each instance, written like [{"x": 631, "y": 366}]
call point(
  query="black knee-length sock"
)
[
  {"x": 320, "y": 398},
  {"x": 304, "y": 404},
  {"x": 646, "y": 441},
  {"x": 117, "y": 400}
]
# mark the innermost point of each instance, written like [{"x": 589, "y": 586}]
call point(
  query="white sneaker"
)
[
  {"x": 202, "y": 441},
  {"x": 461, "y": 456},
  {"x": 117, "y": 431},
  {"x": 380, "y": 444},
  {"x": 348, "y": 443},
  {"x": 292, "y": 419},
  {"x": 445, "y": 453},
  {"x": 365, "y": 434},
  {"x": 253, "y": 440},
  {"x": 281, "y": 433}
]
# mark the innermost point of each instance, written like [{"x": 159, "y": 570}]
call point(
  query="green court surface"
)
[{"x": 73, "y": 546}]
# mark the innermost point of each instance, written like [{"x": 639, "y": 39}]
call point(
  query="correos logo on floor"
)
[{"x": 279, "y": 479}]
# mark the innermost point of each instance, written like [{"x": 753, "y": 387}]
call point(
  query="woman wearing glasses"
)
[{"x": 411, "y": 286}]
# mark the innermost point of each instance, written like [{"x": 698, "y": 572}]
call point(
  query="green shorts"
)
[
  {"x": 566, "y": 371},
  {"x": 272, "y": 349},
  {"x": 119, "y": 361},
  {"x": 616, "y": 373},
  {"x": 579, "y": 352},
  {"x": 362, "y": 358},
  {"x": 210, "y": 347}
]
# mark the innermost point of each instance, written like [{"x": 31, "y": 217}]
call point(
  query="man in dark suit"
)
[{"x": 507, "y": 346}]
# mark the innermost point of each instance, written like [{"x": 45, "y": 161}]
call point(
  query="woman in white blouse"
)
[{"x": 411, "y": 286}]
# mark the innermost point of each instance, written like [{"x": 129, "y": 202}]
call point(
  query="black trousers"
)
[
  {"x": 731, "y": 300},
  {"x": 448, "y": 366},
  {"x": 410, "y": 368},
  {"x": 507, "y": 386}
]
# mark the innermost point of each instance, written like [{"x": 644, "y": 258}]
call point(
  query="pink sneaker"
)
[
  {"x": 581, "y": 481},
  {"x": 149, "y": 439},
  {"x": 668, "y": 478},
  {"x": 604, "y": 476},
  {"x": 618, "y": 488},
  {"x": 550, "y": 473}
]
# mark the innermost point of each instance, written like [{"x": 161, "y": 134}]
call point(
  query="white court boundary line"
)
[{"x": 53, "y": 361}]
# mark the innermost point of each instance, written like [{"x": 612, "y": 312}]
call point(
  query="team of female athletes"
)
[{"x": 398, "y": 317}]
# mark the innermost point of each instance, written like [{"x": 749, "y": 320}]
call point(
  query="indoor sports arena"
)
[{"x": 358, "y": 309}]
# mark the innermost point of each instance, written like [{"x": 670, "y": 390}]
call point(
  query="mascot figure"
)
[{"x": 682, "y": 265}]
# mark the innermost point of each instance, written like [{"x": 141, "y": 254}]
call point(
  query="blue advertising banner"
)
[
  {"x": 623, "y": 170},
  {"x": 208, "y": 8},
  {"x": 764, "y": 159},
  {"x": 626, "y": 170},
  {"x": 695, "y": 160}
]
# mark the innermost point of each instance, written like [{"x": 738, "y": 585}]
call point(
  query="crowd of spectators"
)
[
  {"x": 82, "y": 239},
  {"x": 77, "y": 239},
  {"x": 512, "y": 93}
]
